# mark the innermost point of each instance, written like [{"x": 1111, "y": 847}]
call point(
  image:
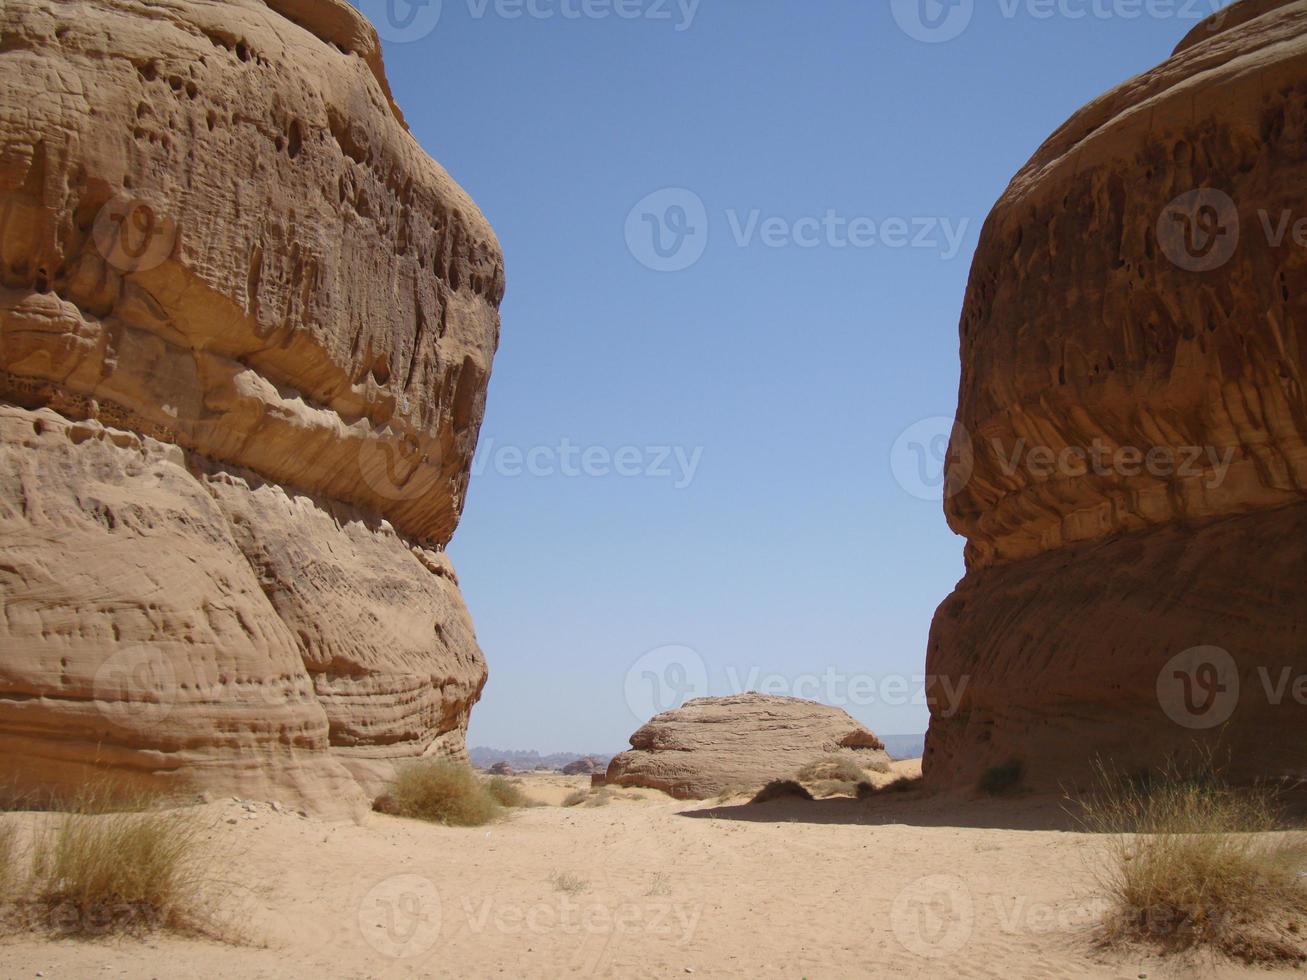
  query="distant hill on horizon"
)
[
  {"x": 483, "y": 757},
  {"x": 904, "y": 746}
]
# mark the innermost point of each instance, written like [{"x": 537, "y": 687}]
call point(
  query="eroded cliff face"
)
[
  {"x": 1133, "y": 475},
  {"x": 246, "y": 326}
]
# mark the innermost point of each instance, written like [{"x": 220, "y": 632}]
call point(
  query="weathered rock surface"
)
[
  {"x": 1109, "y": 317},
  {"x": 246, "y": 326},
  {"x": 745, "y": 740},
  {"x": 588, "y": 764}
]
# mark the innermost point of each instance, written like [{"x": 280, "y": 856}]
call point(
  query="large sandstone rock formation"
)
[
  {"x": 246, "y": 326},
  {"x": 745, "y": 740},
  {"x": 1115, "y": 603}
]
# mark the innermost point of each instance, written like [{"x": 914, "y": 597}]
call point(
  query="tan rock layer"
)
[
  {"x": 246, "y": 326},
  {"x": 268, "y": 195},
  {"x": 1085, "y": 330}
]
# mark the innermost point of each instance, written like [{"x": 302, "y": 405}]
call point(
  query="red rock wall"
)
[{"x": 1126, "y": 300}]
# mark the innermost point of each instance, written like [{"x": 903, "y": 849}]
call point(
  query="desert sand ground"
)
[{"x": 899, "y": 886}]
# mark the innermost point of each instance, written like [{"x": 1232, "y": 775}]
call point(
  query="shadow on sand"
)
[
  {"x": 917, "y": 808},
  {"x": 922, "y": 808}
]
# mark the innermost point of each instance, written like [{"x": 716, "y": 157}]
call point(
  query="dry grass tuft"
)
[
  {"x": 440, "y": 791},
  {"x": 1196, "y": 864},
  {"x": 904, "y": 784},
  {"x": 780, "y": 789},
  {"x": 826, "y": 788},
  {"x": 565, "y": 881},
  {"x": 576, "y": 797},
  {"x": 507, "y": 793},
  {"x": 835, "y": 768},
  {"x": 10, "y": 860},
  {"x": 119, "y": 864},
  {"x": 601, "y": 798}
]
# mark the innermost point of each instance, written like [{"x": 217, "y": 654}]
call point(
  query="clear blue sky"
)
[{"x": 792, "y": 354}]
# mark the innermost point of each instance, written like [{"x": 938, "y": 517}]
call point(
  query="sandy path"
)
[{"x": 896, "y": 887}]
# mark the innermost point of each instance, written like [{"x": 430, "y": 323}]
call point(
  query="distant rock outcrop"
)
[
  {"x": 745, "y": 740},
  {"x": 246, "y": 326},
  {"x": 1130, "y": 470},
  {"x": 587, "y": 765}
]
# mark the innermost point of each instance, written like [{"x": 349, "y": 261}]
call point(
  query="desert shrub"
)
[
  {"x": 565, "y": 881},
  {"x": 826, "y": 788},
  {"x": 576, "y": 797},
  {"x": 779, "y": 789},
  {"x": 444, "y": 792},
  {"x": 10, "y": 858},
  {"x": 1004, "y": 779},
  {"x": 1196, "y": 863},
  {"x": 132, "y": 870},
  {"x": 831, "y": 768},
  {"x": 506, "y": 792},
  {"x": 903, "y": 784},
  {"x": 602, "y": 797}
]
